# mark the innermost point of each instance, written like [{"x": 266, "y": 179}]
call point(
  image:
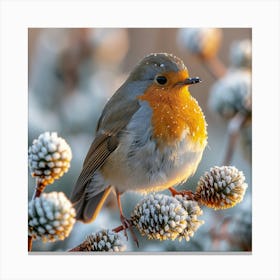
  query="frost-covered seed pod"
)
[
  {"x": 241, "y": 54},
  {"x": 193, "y": 210},
  {"x": 230, "y": 94},
  {"x": 163, "y": 217},
  {"x": 49, "y": 157},
  {"x": 204, "y": 42},
  {"x": 221, "y": 187},
  {"x": 104, "y": 241},
  {"x": 50, "y": 217}
]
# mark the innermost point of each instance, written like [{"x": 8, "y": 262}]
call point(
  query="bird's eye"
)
[{"x": 161, "y": 80}]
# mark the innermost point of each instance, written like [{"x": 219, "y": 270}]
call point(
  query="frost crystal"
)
[
  {"x": 104, "y": 241},
  {"x": 49, "y": 157},
  {"x": 222, "y": 187},
  {"x": 164, "y": 217},
  {"x": 50, "y": 217}
]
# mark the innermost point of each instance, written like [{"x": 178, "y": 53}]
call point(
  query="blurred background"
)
[{"x": 73, "y": 73}]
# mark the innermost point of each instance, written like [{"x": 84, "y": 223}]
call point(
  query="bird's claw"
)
[{"x": 127, "y": 225}]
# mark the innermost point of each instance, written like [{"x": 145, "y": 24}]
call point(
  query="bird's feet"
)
[
  {"x": 127, "y": 225},
  {"x": 186, "y": 193}
]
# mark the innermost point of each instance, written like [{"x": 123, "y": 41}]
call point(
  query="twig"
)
[
  {"x": 83, "y": 247},
  {"x": 118, "y": 229},
  {"x": 234, "y": 126},
  {"x": 215, "y": 67},
  {"x": 29, "y": 243},
  {"x": 37, "y": 192},
  {"x": 224, "y": 234},
  {"x": 39, "y": 189},
  {"x": 188, "y": 194}
]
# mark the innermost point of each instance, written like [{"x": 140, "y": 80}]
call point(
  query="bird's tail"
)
[{"x": 88, "y": 209}]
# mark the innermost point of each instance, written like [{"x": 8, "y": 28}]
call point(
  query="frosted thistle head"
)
[
  {"x": 222, "y": 187},
  {"x": 164, "y": 217},
  {"x": 204, "y": 42},
  {"x": 230, "y": 94},
  {"x": 49, "y": 157},
  {"x": 50, "y": 217},
  {"x": 104, "y": 241}
]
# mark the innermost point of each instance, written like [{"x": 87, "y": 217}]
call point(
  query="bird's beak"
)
[{"x": 192, "y": 81}]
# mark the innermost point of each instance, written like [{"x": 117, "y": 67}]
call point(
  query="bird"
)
[{"x": 150, "y": 137}]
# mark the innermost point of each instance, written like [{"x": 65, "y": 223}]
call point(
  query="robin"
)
[{"x": 150, "y": 137}]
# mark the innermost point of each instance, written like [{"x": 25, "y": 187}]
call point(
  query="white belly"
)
[
  {"x": 149, "y": 169},
  {"x": 139, "y": 165}
]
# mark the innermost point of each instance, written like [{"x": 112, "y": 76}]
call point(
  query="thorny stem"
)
[{"x": 37, "y": 192}]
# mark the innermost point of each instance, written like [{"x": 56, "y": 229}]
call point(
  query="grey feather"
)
[{"x": 88, "y": 209}]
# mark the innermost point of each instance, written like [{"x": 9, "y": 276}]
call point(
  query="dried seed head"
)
[
  {"x": 104, "y": 241},
  {"x": 50, "y": 217},
  {"x": 230, "y": 94},
  {"x": 222, "y": 187},
  {"x": 164, "y": 217},
  {"x": 49, "y": 157},
  {"x": 204, "y": 42}
]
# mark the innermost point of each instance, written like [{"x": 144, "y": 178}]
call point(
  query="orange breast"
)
[{"x": 175, "y": 112}]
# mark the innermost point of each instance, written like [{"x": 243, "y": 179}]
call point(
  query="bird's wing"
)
[
  {"x": 113, "y": 120},
  {"x": 100, "y": 149}
]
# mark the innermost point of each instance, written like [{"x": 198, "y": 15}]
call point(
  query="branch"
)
[
  {"x": 234, "y": 127},
  {"x": 29, "y": 243},
  {"x": 37, "y": 192},
  {"x": 215, "y": 67},
  {"x": 39, "y": 189}
]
